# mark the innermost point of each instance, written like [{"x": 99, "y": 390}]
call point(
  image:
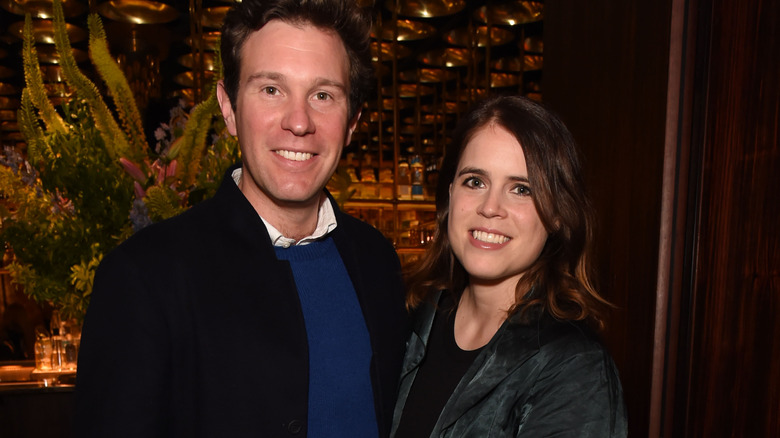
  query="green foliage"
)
[
  {"x": 163, "y": 202},
  {"x": 91, "y": 181},
  {"x": 37, "y": 148},
  {"x": 115, "y": 139},
  {"x": 119, "y": 89},
  {"x": 195, "y": 135},
  {"x": 35, "y": 91},
  {"x": 82, "y": 278},
  {"x": 223, "y": 149},
  {"x": 76, "y": 206}
]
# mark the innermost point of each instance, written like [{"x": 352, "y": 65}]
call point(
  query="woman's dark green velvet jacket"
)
[{"x": 549, "y": 378}]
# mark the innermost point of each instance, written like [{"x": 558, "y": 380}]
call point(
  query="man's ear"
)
[
  {"x": 352, "y": 126},
  {"x": 226, "y": 108}
]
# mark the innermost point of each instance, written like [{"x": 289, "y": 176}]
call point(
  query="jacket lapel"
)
[
  {"x": 415, "y": 348},
  {"x": 514, "y": 344}
]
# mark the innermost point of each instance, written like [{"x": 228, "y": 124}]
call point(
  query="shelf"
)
[
  {"x": 411, "y": 249},
  {"x": 387, "y": 203}
]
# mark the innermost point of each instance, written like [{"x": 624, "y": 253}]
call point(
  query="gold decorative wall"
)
[{"x": 433, "y": 58}]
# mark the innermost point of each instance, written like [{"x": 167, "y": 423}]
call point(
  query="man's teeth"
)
[
  {"x": 295, "y": 156},
  {"x": 489, "y": 237}
]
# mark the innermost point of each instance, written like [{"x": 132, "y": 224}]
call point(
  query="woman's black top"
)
[{"x": 440, "y": 372}]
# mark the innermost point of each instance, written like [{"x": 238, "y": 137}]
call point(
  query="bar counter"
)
[{"x": 34, "y": 406}]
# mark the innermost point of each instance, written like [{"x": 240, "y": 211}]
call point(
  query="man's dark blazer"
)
[{"x": 195, "y": 328}]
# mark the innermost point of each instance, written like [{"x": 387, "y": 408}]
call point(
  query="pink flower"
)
[
  {"x": 139, "y": 190},
  {"x": 133, "y": 170},
  {"x": 171, "y": 168}
]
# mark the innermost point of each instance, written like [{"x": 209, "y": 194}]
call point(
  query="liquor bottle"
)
[
  {"x": 354, "y": 182},
  {"x": 368, "y": 178},
  {"x": 418, "y": 178},
  {"x": 386, "y": 179},
  {"x": 404, "y": 181},
  {"x": 431, "y": 178},
  {"x": 57, "y": 352},
  {"x": 42, "y": 350}
]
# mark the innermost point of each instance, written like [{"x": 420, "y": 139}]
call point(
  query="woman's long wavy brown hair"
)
[{"x": 561, "y": 281}]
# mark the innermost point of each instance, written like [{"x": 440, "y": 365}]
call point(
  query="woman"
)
[{"x": 504, "y": 298}]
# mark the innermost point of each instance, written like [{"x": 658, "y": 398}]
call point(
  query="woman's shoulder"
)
[
  {"x": 564, "y": 353},
  {"x": 568, "y": 338}
]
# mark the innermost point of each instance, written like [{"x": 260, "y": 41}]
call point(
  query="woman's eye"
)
[
  {"x": 522, "y": 190},
  {"x": 473, "y": 182}
]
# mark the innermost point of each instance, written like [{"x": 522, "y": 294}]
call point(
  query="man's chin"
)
[{"x": 299, "y": 199}]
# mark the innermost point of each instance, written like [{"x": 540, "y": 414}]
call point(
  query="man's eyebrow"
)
[
  {"x": 331, "y": 83},
  {"x": 266, "y": 75},
  {"x": 274, "y": 76}
]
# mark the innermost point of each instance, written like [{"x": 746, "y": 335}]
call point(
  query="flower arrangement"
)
[{"x": 90, "y": 179}]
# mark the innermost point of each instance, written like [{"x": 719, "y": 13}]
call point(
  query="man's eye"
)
[
  {"x": 322, "y": 96},
  {"x": 270, "y": 90}
]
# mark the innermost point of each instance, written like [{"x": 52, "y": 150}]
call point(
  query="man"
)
[{"x": 263, "y": 311}]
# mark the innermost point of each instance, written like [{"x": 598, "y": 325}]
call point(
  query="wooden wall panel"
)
[
  {"x": 605, "y": 73},
  {"x": 608, "y": 73},
  {"x": 733, "y": 347}
]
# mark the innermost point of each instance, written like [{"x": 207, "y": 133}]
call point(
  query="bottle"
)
[
  {"x": 431, "y": 179},
  {"x": 404, "y": 181},
  {"x": 368, "y": 178},
  {"x": 42, "y": 350},
  {"x": 354, "y": 182},
  {"x": 386, "y": 179},
  {"x": 418, "y": 178},
  {"x": 57, "y": 352}
]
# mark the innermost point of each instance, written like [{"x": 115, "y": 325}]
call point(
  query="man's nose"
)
[{"x": 297, "y": 118}]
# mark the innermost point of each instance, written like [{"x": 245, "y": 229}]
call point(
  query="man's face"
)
[{"x": 291, "y": 113}]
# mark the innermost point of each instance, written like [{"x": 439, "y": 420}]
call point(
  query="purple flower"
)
[{"x": 139, "y": 215}]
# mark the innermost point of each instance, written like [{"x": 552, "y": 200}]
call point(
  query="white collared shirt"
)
[{"x": 326, "y": 222}]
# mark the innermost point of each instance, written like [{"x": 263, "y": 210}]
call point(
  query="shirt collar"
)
[{"x": 326, "y": 222}]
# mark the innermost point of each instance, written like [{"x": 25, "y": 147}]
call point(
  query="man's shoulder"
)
[{"x": 168, "y": 235}]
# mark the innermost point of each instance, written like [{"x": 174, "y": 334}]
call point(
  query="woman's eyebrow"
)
[
  {"x": 475, "y": 170},
  {"x": 482, "y": 172}
]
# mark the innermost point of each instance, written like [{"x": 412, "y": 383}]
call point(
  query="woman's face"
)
[{"x": 494, "y": 229}]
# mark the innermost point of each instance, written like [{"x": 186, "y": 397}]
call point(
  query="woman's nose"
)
[{"x": 491, "y": 205}]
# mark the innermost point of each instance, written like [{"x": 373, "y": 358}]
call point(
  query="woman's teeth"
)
[{"x": 483, "y": 236}]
